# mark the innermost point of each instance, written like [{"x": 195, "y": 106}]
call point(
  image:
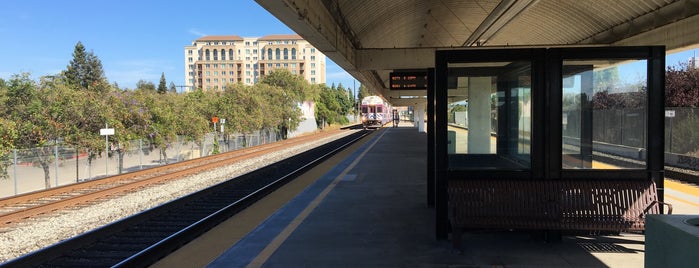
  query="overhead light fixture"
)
[{"x": 496, "y": 20}]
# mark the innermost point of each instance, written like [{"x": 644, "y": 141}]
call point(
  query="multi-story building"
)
[{"x": 211, "y": 62}]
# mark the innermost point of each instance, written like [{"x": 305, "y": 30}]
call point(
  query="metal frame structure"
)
[{"x": 546, "y": 136}]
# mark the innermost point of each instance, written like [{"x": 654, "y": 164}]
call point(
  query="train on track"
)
[{"x": 375, "y": 112}]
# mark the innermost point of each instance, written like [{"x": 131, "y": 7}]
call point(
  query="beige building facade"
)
[{"x": 211, "y": 62}]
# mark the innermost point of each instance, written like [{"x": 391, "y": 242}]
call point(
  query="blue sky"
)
[{"x": 134, "y": 39}]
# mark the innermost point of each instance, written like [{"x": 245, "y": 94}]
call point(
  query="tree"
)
[
  {"x": 130, "y": 118},
  {"x": 85, "y": 70},
  {"x": 172, "y": 88},
  {"x": 363, "y": 92},
  {"x": 681, "y": 86},
  {"x": 145, "y": 85},
  {"x": 332, "y": 107},
  {"x": 37, "y": 112},
  {"x": 295, "y": 90},
  {"x": 295, "y": 86},
  {"x": 162, "y": 88}
]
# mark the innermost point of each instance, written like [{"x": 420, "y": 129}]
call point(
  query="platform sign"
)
[
  {"x": 669, "y": 113},
  {"x": 408, "y": 80}
]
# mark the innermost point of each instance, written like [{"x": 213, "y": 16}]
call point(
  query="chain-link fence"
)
[{"x": 45, "y": 167}]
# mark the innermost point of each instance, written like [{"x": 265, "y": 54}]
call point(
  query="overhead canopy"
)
[{"x": 370, "y": 39}]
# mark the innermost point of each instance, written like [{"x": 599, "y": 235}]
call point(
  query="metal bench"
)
[{"x": 594, "y": 205}]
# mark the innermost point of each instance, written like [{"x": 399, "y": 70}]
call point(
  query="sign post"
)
[{"x": 106, "y": 131}]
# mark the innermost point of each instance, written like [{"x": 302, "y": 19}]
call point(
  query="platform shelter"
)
[{"x": 534, "y": 115}]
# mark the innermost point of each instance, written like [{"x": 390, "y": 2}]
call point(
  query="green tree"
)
[
  {"x": 37, "y": 112},
  {"x": 8, "y": 136},
  {"x": 295, "y": 86},
  {"x": 85, "y": 70},
  {"x": 162, "y": 88},
  {"x": 172, "y": 88},
  {"x": 145, "y": 85},
  {"x": 295, "y": 90},
  {"x": 332, "y": 106},
  {"x": 130, "y": 118}
]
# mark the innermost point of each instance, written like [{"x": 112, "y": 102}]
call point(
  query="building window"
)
[
  {"x": 230, "y": 66},
  {"x": 254, "y": 51},
  {"x": 293, "y": 65},
  {"x": 206, "y": 53},
  {"x": 191, "y": 73},
  {"x": 313, "y": 72},
  {"x": 247, "y": 43},
  {"x": 223, "y": 66},
  {"x": 293, "y": 71},
  {"x": 286, "y": 65},
  {"x": 215, "y": 66},
  {"x": 230, "y": 54},
  {"x": 190, "y": 59},
  {"x": 247, "y": 80},
  {"x": 230, "y": 73},
  {"x": 247, "y": 66},
  {"x": 208, "y": 73},
  {"x": 191, "y": 66},
  {"x": 269, "y": 53},
  {"x": 208, "y": 80},
  {"x": 278, "y": 53},
  {"x": 313, "y": 65},
  {"x": 313, "y": 58},
  {"x": 207, "y": 66},
  {"x": 189, "y": 52},
  {"x": 223, "y": 54},
  {"x": 216, "y": 74},
  {"x": 313, "y": 80},
  {"x": 313, "y": 50},
  {"x": 293, "y": 53},
  {"x": 247, "y": 73},
  {"x": 269, "y": 65},
  {"x": 215, "y": 54},
  {"x": 278, "y": 65},
  {"x": 216, "y": 80},
  {"x": 286, "y": 53}
]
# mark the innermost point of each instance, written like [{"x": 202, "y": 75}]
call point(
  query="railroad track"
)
[
  {"x": 24, "y": 207},
  {"x": 144, "y": 238}
]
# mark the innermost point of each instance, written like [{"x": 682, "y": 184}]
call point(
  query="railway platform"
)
[{"x": 371, "y": 211}]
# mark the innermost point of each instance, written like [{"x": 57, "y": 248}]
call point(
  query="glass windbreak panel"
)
[
  {"x": 489, "y": 115},
  {"x": 604, "y": 118}
]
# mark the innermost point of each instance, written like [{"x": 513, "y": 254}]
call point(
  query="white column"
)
[
  {"x": 479, "y": 115},
  {"x": 420, "y": 110}
]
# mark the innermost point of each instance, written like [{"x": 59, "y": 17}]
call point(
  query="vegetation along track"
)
[
  {"x": 24, "y": 207},
  {"x": 144, "y": 238}
]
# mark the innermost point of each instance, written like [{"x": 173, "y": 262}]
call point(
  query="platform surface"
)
[{"x": 371, "y": 211}]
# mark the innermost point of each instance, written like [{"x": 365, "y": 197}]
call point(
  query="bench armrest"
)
[{"x": 656, "y": 202}]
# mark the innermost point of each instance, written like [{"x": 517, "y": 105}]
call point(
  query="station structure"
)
[
  {"x": 506, "y": 102},
  {"x": 524, "y": 69}
]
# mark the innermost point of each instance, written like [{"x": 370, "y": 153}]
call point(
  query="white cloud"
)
[{"x": 196, "y": 32}]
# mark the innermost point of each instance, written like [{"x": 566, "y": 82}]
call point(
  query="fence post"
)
[
  {"x": 55, "y": 149},
  {"x": 15, "y": 169},
  {"x": 140, "y": 153}
]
